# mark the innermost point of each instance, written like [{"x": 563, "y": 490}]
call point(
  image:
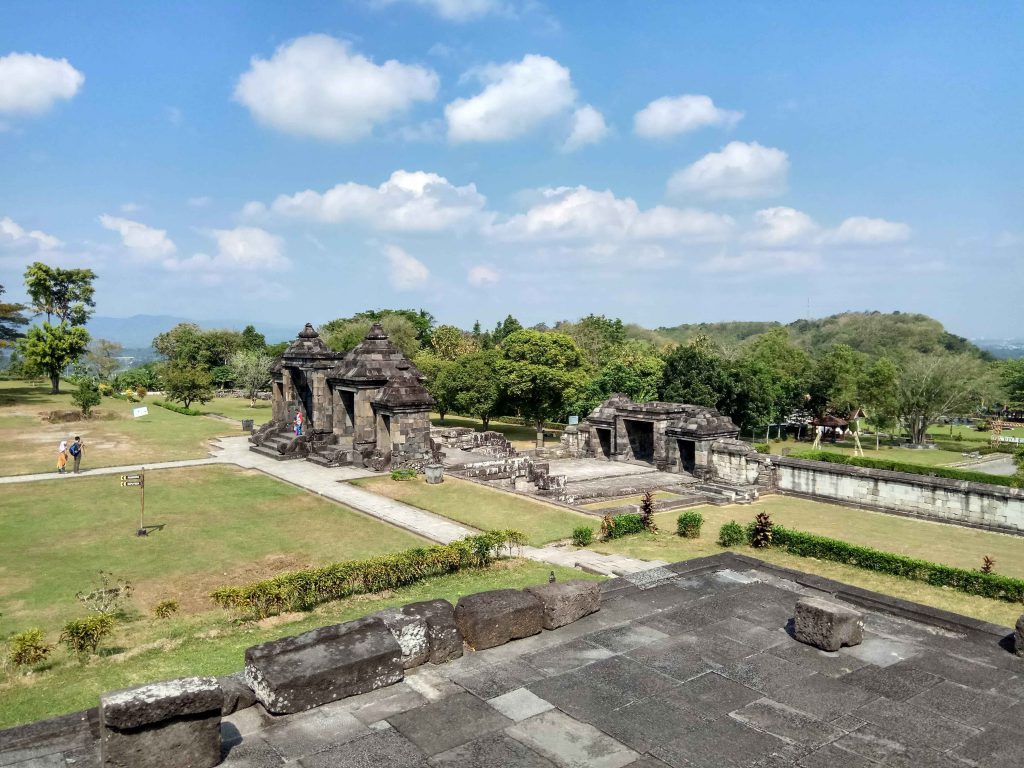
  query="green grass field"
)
[
  {"x": 28, "y": 442},
  {"x": 938, "y": 542},
  {"x": 237, "y": 408},
  {"x": 520, "y": 436},
  {"x": 620, "y": 501},
  {"x": 926, "y": 457},
  {"x": 484, "y": 508}
]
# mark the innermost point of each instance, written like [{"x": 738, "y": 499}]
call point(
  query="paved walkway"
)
[{"x": 330, "y": 483}]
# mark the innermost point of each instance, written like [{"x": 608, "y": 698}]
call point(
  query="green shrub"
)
[
  {"x": 582, "y": 535},
  {"x": 176, "y": 408},
  {"x": 83, "y": 636},
  {"x": 915, "y": 469},
  {"x": 403, "y": 474},
  {"x": 989, "y": 585},
  {"x": 688, "y": 524},
  {"x": 731, "y": 534},
  {"x": 304, "y": 590},
  {"x": 622, "y": 525},
  {"x": 29, "y": 648},
  {"x": 165, "y": 609},
  {"x": 762, "y": 448}
]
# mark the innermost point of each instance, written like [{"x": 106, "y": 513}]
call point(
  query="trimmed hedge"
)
[
  {"x": 304, "y": 590},
  {"x": 970, "y": 582},
  {"x": 178, "y": 408},
  {"x": 914, "y": 469}
]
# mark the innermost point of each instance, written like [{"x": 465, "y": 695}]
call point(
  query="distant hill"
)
[{"x": 873, "y": 333}]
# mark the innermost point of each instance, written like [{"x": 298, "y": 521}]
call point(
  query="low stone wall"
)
[{"x": 979, "y": 505}]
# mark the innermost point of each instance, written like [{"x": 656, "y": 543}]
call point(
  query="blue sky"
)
[{"x": 661, "y": 162}]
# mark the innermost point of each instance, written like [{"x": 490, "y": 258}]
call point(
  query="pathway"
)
[{"x": 330, "y": 483}]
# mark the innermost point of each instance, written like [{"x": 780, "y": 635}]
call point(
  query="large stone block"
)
[
  {"x": 826, "y": 625},
  {"x": 488, "y": 619},
  {"x": 295, "y": 673},
  {"x": 237, "y": 693},
  {"x": 174, "y": 724},
  {"x": 566, "y": 601},
  {"x": 1018, "y": 637},
  {"x": 443, "y": 636},
  {"x": 412, "y": 635}
]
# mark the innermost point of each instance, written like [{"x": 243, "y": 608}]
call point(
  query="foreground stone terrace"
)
[{"x": 687, "y": 665}]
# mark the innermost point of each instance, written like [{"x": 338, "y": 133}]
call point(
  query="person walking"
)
[
  {"x": 298, "y": 423},
  {"x": 62, "y": 457},
  {"x": 75, "y": 449}
]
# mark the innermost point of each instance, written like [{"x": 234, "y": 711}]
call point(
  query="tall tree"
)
[
  {"x": 471, "y": 384},
  {"x": 188, "y": 344},
  {"x": 635, "y": 370},
  {"x": 11, "y": 321},
  {"x": 934, "y": 386},
  {"x": 449, "y": 342},
  {"x": 833, "y": 381},
  {"x": 599, "y": 337},
  {"x": 50, "y": 349},
  {"x": 343, "y": 334},
  {"x": 778, "y": 369},
  {"x": 102, "y": 356},
  {"x": 541, "y": 373},
  {"x": 433, "y": 367},
  {"x": 252, "y": 340},
  {"x": 251, "y": 369},
  {"x": 506, "y": 327},
  {"x": 878, "y": 394},
  {"x": 1011, "y": 374},
  {"x": 695, "y": 373},
  {"x": 186, "y": 382}
]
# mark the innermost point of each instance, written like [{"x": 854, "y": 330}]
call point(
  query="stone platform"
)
[{"x": 687, "y": 665}]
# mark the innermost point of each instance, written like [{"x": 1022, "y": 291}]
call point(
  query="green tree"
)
[
  {"x": 934, "y": 386},
  {"x": 471, "y": 385},
  {"x": 541, "y": 373},
  {"x": 50, "y": 349},
  {"x": 635, "y": 371},
  {"x": 343, "y": 334},
  {"x": 1011, "y": 375},
  {"x": 11, "y": 321},
  {"x": 251, "y": 372},
  {"x": 432, "y": 368},
  {"x": 778, "y": 370},
  {"x": 188, "y": 344},
  {"x": 87, "y": 396},
  {"x": 449, "y": 343},
  {"x": 102, "y": 356},
  {"x": 506, "y": 327},
  {"x": 223, "y": 375},
  {"x": 599, "y": 337},
  {"x": 834, "y": 379},
  {"x": 696, "y": 373},
  {"x": 186, "y": 382},
  {"x": 878, "y": 393},
  {"x": 66, "y": 294},
  {"x": 252, "y": 340}
]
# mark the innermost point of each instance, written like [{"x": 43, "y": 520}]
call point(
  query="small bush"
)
[
  {"x": 761, "y": 535},
  {"x": 647, "y": 511},
  {"x": 87, "y": 396},
  {"x": 731, "y": 534},
  {"x": 622, "y": 525},
  {"x": 762, "y": 448},
  {"x": 403, "y": 474},
  {"x": 582, "y": 535},
  {"x": 688, "y": 524},
  {"x": 29, "y": 648},
  {"x": 83, "y": 636},
  {"x": 165, "y": 609},
  {"x": 172, "y": 407}
]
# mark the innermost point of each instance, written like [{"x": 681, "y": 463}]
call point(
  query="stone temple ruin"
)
[{"x": 367, "y": 406}]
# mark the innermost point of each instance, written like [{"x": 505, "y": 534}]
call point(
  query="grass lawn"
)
[
  {"x": 520, "y": 436},
  {"x": 211, "y": 644},
  {"x": 938, "y": 542},
  {"x": 237, "y": 408},
  {"x": 483, "y": 508},
  {"x": 634, "y": 499},
  {"x": 926, "y": 457},
  {"x": 28, "y": 443}
]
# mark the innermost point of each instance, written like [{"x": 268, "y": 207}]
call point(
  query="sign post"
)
[{"x": 138, "y": 481}]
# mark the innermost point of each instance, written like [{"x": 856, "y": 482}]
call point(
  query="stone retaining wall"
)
[{"x": 980, "y": 505}]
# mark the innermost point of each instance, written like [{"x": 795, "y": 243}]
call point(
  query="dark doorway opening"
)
[
  {"x": 687, "y": 456},
  {"x": 348, "y": 407},
  {"x": 641, "y": 440},
  {"x": 604, "y": 441},
  {"x": 303, "y": 397}
]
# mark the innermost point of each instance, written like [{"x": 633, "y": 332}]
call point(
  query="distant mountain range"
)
[
  {"x": 137, "y": 332},
  {"x": 1004, "y": 349}
]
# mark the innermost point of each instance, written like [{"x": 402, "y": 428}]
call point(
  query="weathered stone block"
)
[
  {"x": 443, "y": 636},
  {"x": 237, "y": 693},
  {"x": 295, "y": 673},
  {"x": 826, "y": 625},
  {"x": 566, "y": 601},
  {"x": 174, "y": 724},
  {"x": 488, "y": 619},
  {"x": 411, "y": 632},
  {"x": 1018, "y": 637}
]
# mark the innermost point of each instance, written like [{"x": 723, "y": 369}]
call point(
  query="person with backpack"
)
[{"x": 76, "y": 451}]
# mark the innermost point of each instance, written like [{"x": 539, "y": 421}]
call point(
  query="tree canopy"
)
[{"x": 11, "y": 321}]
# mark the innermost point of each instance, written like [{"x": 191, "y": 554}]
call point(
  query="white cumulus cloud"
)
[
  {"x": 143, "y": 241},
  {"x": 31, "y": 84},
  {"x": 16, "y": 236},
  {"x": 588, "y": 127},
  {"x": 406, "y": 272},
  {"x": 861, "y": 230},
  {"x": 583, "y": 213},
  {"x": 739, "y": 170},
  {"x": 481, "y": 275},
  {"x": 781, "y": 226},
  {"x": 242, "y": 249},
  {"x": 673, "y": 115},
  {"x": 318, "y": 86},
  {"x": 410, "y": 201},
  {"x": 456, "y": 10},
  {"x": 517, "y": 98}
]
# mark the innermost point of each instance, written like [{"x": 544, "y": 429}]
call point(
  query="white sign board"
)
[
  {"x": 143, "y": 411},
  {"x": 1011, "y": 440}
]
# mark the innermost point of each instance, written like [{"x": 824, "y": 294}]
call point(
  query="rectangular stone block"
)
[
  {"x": 295, "y": 673},
  {"x": 489, "y": 619},
  {"x": 174, "y": 724},
  {"x": 411, "y": 632},
  {"x": 443, "y": 636},
  {"x": 827, "y": 625},
  {"x": 564, "y": 602}
]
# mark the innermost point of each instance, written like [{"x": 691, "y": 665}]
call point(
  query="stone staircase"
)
[
  {"x": 334, "y": 455},
  {"x": 720, "y": 494},
  {"x": 270, "y": 445}
]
